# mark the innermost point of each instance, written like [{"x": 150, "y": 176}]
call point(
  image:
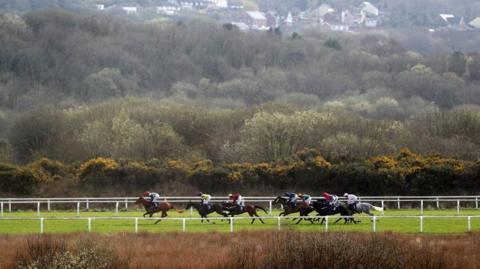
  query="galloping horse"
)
[
  {"x": 150, "y": 210},
  {"x": 365, "y": 208},
  {"x": 323, "y": 210},
  {"x": 302, "y": 208},
  {"x": 251, "y": 209},
  {"x": 204, "y": 211}
]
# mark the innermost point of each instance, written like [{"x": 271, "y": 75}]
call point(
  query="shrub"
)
[
  {"x": 331, "y": 251},
  {"x": 44, "y": 252}
]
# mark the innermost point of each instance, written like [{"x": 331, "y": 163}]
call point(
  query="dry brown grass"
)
[{"x": 269, "y": 250}]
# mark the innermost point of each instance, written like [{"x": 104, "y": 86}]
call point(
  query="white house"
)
[
  {"x": 475, "y": 23},
  {"x": 257, "y": 19},
  {"x": 130, "y": 10},
  {"x": 100, "y": 7},
  {"x": 369, "y": 8},
  {"x": 221, "y": 3},
  {"x": 447, "y": 18},
  {"x": 167, "y": 9},
  {"x": 369, "y": 14}
]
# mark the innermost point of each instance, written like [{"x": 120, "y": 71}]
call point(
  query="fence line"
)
[
  {"x": 87, "y": 201},
  {"x": 232, "y": 220}
]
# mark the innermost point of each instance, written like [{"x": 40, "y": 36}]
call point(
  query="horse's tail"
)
[
  {"x": 377, "y": 208},
  {"x": 259, "y": 207},
  {"x": 178, "y": 210}
]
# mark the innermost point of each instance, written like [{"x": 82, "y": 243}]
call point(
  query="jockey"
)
[
  {"x": 292, "y": 198},
  {"x": 153, "y": 197},
  {"x": 237, "y": 200},
  {"x": 307, "y": 199},
  {"x": 205, "y": 199},
  {"x": 352, "y": 201},
  {"x": 331, "y": 200}
]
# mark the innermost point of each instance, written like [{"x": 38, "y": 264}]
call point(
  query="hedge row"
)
[{"x": 403, "y": 173}]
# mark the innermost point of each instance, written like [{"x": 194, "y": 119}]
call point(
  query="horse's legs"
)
[
  {"x": 261, "y": 220},
  {"x": 337, "y": 220}
]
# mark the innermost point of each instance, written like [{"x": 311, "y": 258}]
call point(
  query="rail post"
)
[
  {"x": 469, "y": 223},
  {"x": 231, "y": 224},
  {"x": 41, "y": 225},
  {"x": 269, "y": 207},
  {"x": 87, "y": 205},
  {"x": 38, "y": 208},
  {"x": 476, "y": 202},
  {"x": 374, "y": 224},
  {"x": 184, "y": 225},
  {"x": 421, "y": 207},
  {"x": 398, "y": 202},
  {"x": 116, "y": 208},
  {"x": 126, "y": 204},
  {"x": 421, "y": 224},
  {"x": 438, "y": 202},
  {"x": 279, "y": 225},
  {"x": 78, "y": 209},
  {"x": 89, "y": 224},
  {"x": 136, "y": 225},
  {"x": 48, "y": 205},
  {"x": 383, "y": 206},
  {"x": 1, "y": 209},
  {"x": 9, "y": 205},
  {"x": 191, "y": 211},
  {"x": 326, "y": 223},
  {"x": 458, "y": 207}
]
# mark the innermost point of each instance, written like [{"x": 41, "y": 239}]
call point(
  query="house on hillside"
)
[
  {"x": 220, "y": 3},
  {"x": 450, "y": 22},
  {"x": 318, "y": 14},
  {"x": 192, "y": 4},
  {"x": 100, "y": 7},
  {"x": 256, "y": 20},
  {"x": 369, "y": 15},
  {"x": 130, "y": 10},
  {"x": 475, "y": 23},
  {"x": 168, "y": 8}
]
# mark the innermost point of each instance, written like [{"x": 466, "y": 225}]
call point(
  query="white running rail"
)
[{"x": 472, "y": 201}]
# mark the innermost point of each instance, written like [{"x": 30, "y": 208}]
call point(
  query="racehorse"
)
[
  {"x": 302, "y": 208},
  {"x": 203, "y": 210},
  {"x": 365, "y": 208},
  {"x": 341, "y": 208},
  {"x": 251, "y": 209},
  {"x": 150, "y": 210}
]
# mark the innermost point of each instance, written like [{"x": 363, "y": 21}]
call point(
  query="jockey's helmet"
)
[
  {"x": 345, "y": 194},
  {"x": 146, "y": 193}
]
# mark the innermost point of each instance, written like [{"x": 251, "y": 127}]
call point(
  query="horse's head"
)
[
  {"x": 142, "y": 201},
  {"x": 278, "y": 200}
]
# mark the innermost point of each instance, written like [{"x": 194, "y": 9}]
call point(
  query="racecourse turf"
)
[{"x": 400, "y": 224}]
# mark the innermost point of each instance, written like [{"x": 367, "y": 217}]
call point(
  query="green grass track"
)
[{"x": 54, "y": 224}]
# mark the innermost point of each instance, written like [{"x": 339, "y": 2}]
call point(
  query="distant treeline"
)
[
  {"x": 74, "y": 87},
  {"x": 306, "y": 171}
]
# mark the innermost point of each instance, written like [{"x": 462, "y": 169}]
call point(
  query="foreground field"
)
[
  {"x": 241, "y": 250},
  {"x": 394, "y": 220}
]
